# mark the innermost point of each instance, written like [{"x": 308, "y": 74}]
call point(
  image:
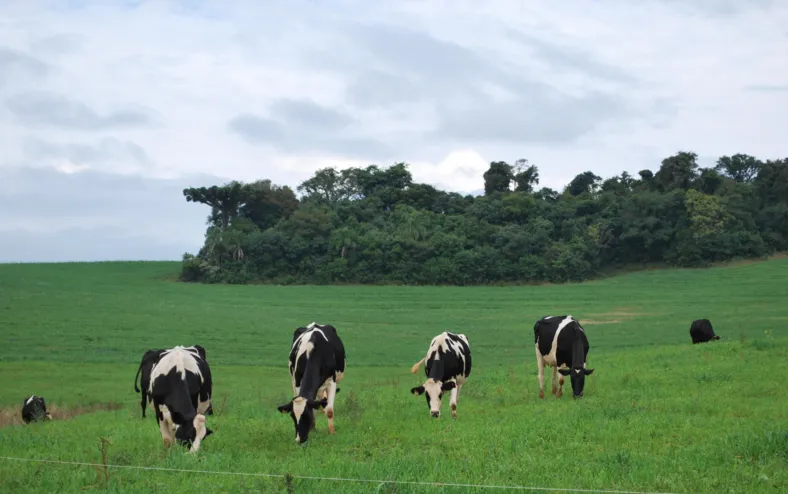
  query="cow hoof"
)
[
  {"x": 541, "y": 394},
  {"x": 330, "y": 428},
  {"x": 554, "y": 389}
]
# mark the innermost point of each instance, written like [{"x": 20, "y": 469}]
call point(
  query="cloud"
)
[
  {"x": 92, "y": 215},
  {"x": 95, "y": 95},
  {"x": 51, "y": 110},
  {"x": 17, "y": 64},
  {"x": 109, "y": 154},
  {"x": 304, "y": 126}
]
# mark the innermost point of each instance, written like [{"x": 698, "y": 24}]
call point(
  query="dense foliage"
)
[{"x": 375, "y": 225}]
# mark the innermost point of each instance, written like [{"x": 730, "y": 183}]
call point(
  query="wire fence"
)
[{"x": 329, "y": 479}]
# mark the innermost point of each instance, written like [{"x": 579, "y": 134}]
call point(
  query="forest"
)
[{"x": 375, "y": 225}]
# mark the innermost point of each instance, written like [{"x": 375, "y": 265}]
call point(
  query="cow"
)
[
  {"x": 149, "y": 359},
  {"x": 702, "y": 332},
  {"x": 34, "y": 409},
  {"x": 180, "y": 390},
  {"x": 560, "y": 341},
  {"x": 317, "y": 365},
  {"x": 447, "y": 366}
]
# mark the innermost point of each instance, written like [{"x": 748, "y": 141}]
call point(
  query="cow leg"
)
[
  {"x": 332, "y": 392},
  {"x": 144, "y": 403},
  {"x": 455, "y": 393},
  {"x": 555, "y": 379},
  {"x": 540, "y": 370},
  {"x": 560, "y": 392},
  {"x": 165, "y": 425}
]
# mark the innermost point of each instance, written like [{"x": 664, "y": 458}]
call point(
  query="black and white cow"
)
[
  {"x": 447, "y": 366},
  {"x": 560, "y": 341},
  {"x": 149, "y": 359},
  {"x": 317, "y": 364},
  {"x": 35, "y": 409},
  {"x": 180, "y": 390},
  {"x": 702, "y": 332}
]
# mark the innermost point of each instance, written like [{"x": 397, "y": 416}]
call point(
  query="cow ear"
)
[
  {"x": 317, "y": 404},
  {"x": 286, "y": 408},
  {"x": 417, "y": 390},
  {"x": 448, "y": 385},
  {"x": 588, "y": 371},
  {"x": 563, "y": 372}
]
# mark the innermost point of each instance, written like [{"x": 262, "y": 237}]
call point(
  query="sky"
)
[{"x": 108, "y": 109}]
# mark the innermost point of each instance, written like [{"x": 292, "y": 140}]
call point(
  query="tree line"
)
[{"x": 375, "y": 225}]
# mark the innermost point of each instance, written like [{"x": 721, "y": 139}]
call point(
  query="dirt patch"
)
[
  {"x": 13, "y": 415},
  {"x": 620, "y": 313},
  {"x": 592, "y": 322}
]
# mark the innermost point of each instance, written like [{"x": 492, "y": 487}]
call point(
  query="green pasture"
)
[{"x": 659, "y": 414}]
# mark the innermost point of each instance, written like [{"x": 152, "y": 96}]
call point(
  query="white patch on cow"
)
[
  {"x": 299, "y": 407},
  {"x": 202, "y": 406},
  {"x": 29, "y": 399},
  {"x": 178, "y": 358},
  {"x": 166, "y": 426},
  {"x": 577, "y": 371},
  {"x": 199, "y": 427},
  {"x": 443, "y": 342},
  {"x": 550, "y": 358},
  {"x": 433, "y": 390}
]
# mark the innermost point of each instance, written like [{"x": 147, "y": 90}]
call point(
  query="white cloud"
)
[{"x": 151, "y": 89}]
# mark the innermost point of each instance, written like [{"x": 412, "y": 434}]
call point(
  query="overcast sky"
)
[{"x": 108, "y": 109}]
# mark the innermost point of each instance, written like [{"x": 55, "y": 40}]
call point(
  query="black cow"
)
[
  {"x": 702, "y": 332},
  {"x": 448, "y": 365},
  {"x": 35, "y": 409},
  {"x": 561, "y": 341},
  {"x": 317, "y": 364},
  {"x": 149, "y": 359},
  {"x": 180, "y": 390}
]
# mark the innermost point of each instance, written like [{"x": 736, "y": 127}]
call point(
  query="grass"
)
[{"x": 659, "y": 414}]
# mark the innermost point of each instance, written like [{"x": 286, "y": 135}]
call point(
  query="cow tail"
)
[
  {"x": 416, "y": 366},
  {"x": 139, "y": 369}
]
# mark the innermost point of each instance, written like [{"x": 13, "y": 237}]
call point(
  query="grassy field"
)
[{"x": 659, "y": 413}]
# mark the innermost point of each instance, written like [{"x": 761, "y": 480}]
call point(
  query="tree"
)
[
  {"x": 526, "y": 177},
  {"x": 584, "y": 183},
  {"x": 224, "y": 201},
  {"x": 498, "y": 178},
  {"x": 375, "y": 225},
  {"x": 678, "y": 171},
  {"x": 740, "y": 167},
  {"x": 266, "y": 203}
]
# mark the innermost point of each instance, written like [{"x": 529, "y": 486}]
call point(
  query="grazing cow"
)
[
  {"x": 180, "y": 389},
  {"x": 35, "y": 409},
  {"x": 561, "y": 341},
  {"x": 149, "y": 359},
  {"x": 317, "y": 364},
  {"x": 702, "y": 332},
  {"x": 447, "y": 366}
]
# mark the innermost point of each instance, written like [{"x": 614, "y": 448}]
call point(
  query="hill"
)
[{"x": 659, "y": 413}]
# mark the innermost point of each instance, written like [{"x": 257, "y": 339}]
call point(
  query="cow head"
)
[
  {"x": 301, "y": 410},
  {"x": 433, "y": 391},
  {"x": 577, "y": 376},
  {"x": 191, "y": 434}
]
